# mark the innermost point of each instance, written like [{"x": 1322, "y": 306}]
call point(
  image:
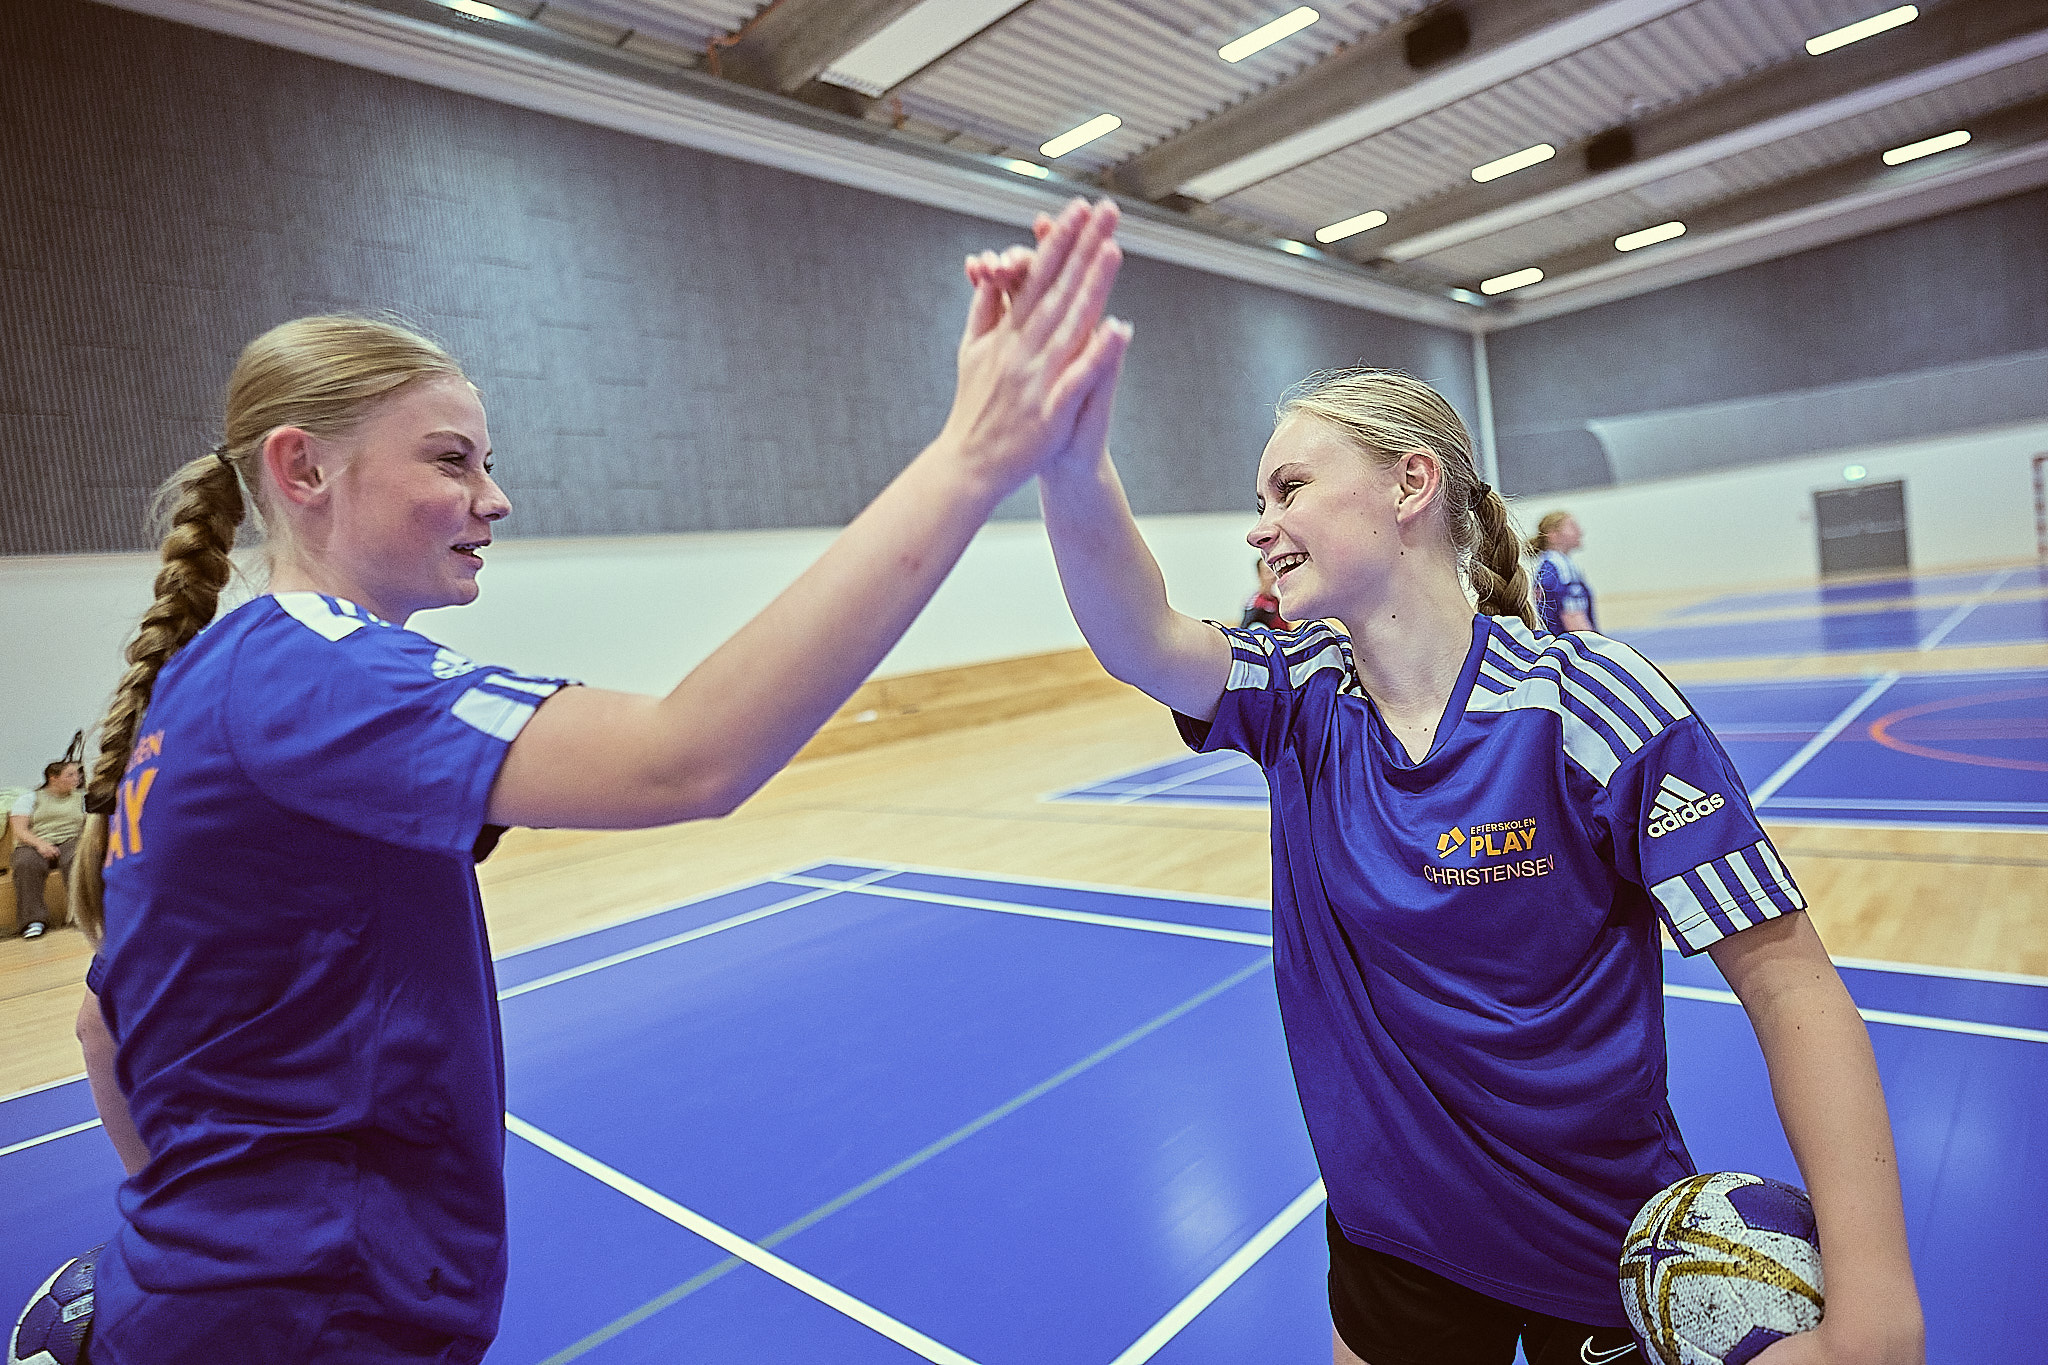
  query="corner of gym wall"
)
[
  {"x": 667, "y": 340},
  {"x": 1924, "y": 330}
]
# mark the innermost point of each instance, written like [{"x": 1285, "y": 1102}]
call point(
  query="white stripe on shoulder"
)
[
  {"x": 314, "y": 612},
  {"x": 1612, "y": 654}
]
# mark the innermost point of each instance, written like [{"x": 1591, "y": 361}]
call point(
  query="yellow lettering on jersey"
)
[
  {"x": 115, "y": 850},
  {"x": 134, "y": 792}
]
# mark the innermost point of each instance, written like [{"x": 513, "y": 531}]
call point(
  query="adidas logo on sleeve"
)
[{"x": 1679, "y": 804}]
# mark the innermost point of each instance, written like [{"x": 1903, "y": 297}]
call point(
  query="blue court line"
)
[
  {"x": 1151, "y": 926},
  {"x": 908, "y": 1164}
]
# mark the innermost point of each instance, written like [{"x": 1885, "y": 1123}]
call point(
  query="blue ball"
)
[
  {"x": 1719, "y": 1266},
  {"x": 53, "y": 1329}
]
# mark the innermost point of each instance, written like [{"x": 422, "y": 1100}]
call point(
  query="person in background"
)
[
  {"x": 46, "y": 822},
  {"x": 1264, "y": 607},
  {"x": 1563, "y": 598}
]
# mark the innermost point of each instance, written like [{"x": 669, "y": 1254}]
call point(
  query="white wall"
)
[
  {"x": 627, "y": 612},
  {"x": 1969, "y": 498}
]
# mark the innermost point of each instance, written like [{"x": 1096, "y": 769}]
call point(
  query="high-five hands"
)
[{"x": 1038, "y": 358}]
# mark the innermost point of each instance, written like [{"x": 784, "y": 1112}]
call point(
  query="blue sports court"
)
[{"x": 864, "y": 1113}]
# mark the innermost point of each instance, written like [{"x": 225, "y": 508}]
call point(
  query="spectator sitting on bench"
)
[{"x": 46, "y": 822}]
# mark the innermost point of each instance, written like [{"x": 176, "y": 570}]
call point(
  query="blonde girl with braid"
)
[
  {"x": 293, "y": 1029},
  {"x": 1473, "y": 852}
]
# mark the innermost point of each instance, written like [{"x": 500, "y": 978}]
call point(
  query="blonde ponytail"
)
[
  {"x": 1390, "y": 414},
  {"x": 203, "y": 502},
  {"x": 321, "y": 375}
]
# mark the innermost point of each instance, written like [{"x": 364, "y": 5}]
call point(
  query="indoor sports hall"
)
[{"x": 959, "y": 1041}]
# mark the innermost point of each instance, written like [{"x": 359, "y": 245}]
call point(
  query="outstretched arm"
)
[
  {"x": 1824, "y": 1079},
  {"x": 1112, "y": 582},
  {"x": 611, "y": 759}
]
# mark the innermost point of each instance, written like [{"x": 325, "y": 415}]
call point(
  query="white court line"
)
[
  {"x": 733, "y": 1244},
  {"x": 1150, "y": 926},
  {"x": 1197, "y": 762},
  {"x": 1224, "y": 1276},
  {"x": 1926, "y": 1021},
  {"x": 1008, "y": 879},
  {"x": 674, "y": 940},
  {"x": 1955, "y": 618},
  {"x": 1792, "y": 765},
  {"x": 49, "y": 1137},
  {"x": 39, "y": 1089},
  {"x": 1222, "y": 763},
  {"x": 1865, "y": 964}
]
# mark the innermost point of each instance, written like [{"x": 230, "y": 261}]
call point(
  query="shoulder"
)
[
  {"x": 1264, "y": 658},
  {"x": 1609, "y": 700},
  {"x": 24, "y": 804}
]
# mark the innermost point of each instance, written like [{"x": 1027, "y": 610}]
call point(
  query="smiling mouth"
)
[
  {"x": 472, "y": 548},
  {"x": 1284, "y": 564}
]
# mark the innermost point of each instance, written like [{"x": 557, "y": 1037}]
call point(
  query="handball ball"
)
[
  {"x": 1718, "y": 1267},
  {"x": 53, "y": 1329}
]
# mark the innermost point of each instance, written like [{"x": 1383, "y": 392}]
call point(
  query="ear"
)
[
  {"x": 1417, "y": 480},
  {"x": 291, "y": 457}
]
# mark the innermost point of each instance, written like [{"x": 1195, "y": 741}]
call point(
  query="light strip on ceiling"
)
[
  {"x": 1102, "y": 125},
  {"x": 1024, "y": 168},
  {"x": 1516, "y": 279},
  {"x": 1517, "y": 161},
  {"x": 1861, "y": 29},
  {"x": 1265, "y": 35},
  {"x": 1649, "y": 236},
  {"x": 1913, "y": 151},
  {"x": 1351, "y": 227},
  {"x": 914, "y": 40},
  {"x": 476, "y": 9}
]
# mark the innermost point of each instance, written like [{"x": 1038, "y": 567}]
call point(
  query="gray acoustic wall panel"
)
[
  {"x": 1932, "y": 327},
  {"x": 667, "y": 340}
]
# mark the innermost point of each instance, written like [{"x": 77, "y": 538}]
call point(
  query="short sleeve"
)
[
  {"x": 1267, "y": 672},
  {"x": 374, "y": 728},
  {"x": 1683, "y": 828},
  {"x": 96, "y": 973},
  {"x": 24, "y": 804}
]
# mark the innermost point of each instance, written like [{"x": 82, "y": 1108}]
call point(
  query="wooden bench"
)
[{"x": 53, "y": 887}]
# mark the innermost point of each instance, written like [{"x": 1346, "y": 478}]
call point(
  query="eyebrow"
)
[
  {"x": 468, "y": 446},
  {"x": 1274, "y": 479}
]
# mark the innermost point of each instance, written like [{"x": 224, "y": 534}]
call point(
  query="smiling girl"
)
[
  {"x": 294, "y": 989},
  {"x": 1473, "y": 850}
]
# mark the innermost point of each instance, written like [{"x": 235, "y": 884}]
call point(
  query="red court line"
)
[{"x": 1880, "y": 730}]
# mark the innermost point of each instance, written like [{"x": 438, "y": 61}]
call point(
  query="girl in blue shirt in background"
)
[
  {"x": 1563, "y": 597},
  {"x": 294, "y": 994},
  {"x": 1477, "y": 829}
]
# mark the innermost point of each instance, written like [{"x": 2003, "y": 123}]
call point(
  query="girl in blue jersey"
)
[
  {"x": 1477, "y": 829},
  {"x": 1564, "y": 600},
  {"x": 294, "y": 985}
]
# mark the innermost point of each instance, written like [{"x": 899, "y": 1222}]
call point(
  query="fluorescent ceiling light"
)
[
  {"x": 1265, "y": 35},
  {"x": 1519, "y": 161},
  {"x": 1500, "y": 284},
  {"x": 1100, "y": 126},
  {"x": 1030, "y": 168},
  {"x": 1351, "y": 227},
  {"x": 1289, "y": 245},
  {"x": 1649, "y": 236},
  {"x": 1913, "y": 151},
  {"x": 920, "y": 36},
  {"x": 477, "y": 9},
  {"x": 1853, "y": 472},
  {"x": 1861, "y": 29}
]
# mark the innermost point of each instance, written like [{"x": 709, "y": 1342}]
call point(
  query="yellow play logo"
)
[{"x": 1450, "y": 839}]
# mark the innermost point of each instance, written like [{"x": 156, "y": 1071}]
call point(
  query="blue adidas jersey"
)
[
  {"x": 1560, "y": 588},
  {"x": 297, "y": 976},
  {"x": 1466, "y": 948}
]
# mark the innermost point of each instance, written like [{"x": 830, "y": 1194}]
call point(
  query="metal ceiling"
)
[{"x": 1732, "y": 121}]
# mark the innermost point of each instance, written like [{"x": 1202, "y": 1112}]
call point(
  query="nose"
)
[
  {"x": 493, "y": 505},
  {"x": 1263, "y": 533}
]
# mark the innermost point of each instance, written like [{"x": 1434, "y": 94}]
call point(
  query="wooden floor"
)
[{"x": 970, "y": 799}]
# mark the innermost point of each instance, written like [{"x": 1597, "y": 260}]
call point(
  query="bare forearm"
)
[
  {"x": 748, "y": 708},
  {"x": 1118, "y": 595},
  {"x": 1831, "y": 1102},
  {"x": 98, "y": 1046}
]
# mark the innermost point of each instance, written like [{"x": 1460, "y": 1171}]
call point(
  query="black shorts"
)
[{"x": 1393, "y": 1312}]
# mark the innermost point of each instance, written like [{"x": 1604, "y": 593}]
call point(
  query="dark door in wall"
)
[{"x": 1861, "y": 528}]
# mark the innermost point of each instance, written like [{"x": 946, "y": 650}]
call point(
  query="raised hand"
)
[{"x": 1035, "y": 344}]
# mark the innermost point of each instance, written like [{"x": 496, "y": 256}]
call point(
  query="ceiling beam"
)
[
  {"x": 789, "y": 43},
  {"x": 1369, "y": 87},
  {"x": 2013, "y": 139},
  {"x": 1957, "y": 41}
]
